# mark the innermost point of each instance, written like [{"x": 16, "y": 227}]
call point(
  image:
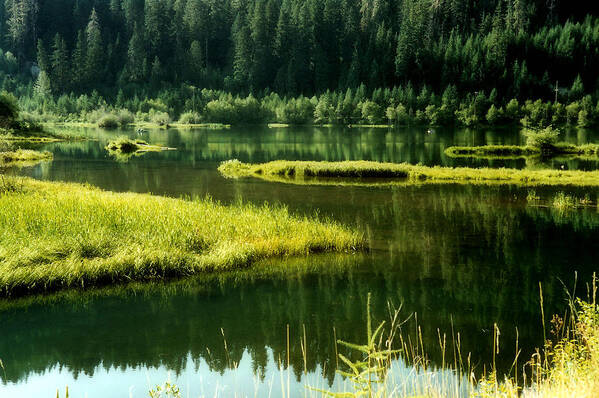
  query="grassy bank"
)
[
  {"x": 55, "y": 236},
  {"x": 23, "y": 156},
  {"x": 365, "y": 172}
]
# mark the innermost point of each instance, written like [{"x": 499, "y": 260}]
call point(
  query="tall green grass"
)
[
  {"x": 23, "y": 156},
  {"x": 366, "y": 172},
  {"x": 515, "y": 151},
  {"x": 567, "y": 366},
  {"x": 55, "y": 236}
]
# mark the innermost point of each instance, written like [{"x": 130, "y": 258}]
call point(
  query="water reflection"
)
[{"x": 461, "y": 257}]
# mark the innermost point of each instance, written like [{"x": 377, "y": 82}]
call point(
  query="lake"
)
[{"x": 458, "y": 259}]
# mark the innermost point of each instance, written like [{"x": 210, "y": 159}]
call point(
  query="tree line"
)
[{"x": 522, "y": 49}]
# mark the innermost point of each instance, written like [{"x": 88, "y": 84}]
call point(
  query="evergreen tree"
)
[
  {"x": 95, "y": 56},
  {"x": 60, "y": 64}
]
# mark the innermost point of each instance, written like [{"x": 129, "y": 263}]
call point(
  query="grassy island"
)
[
  {"x": 376, "y": 173},
  {"x": 539, "y": 142},
  {"x": 516, "y": 151},
  {"x": 55, "y": 236},
  {"x": 23, "y": 156},
  {"x": 126, "y": 145}
]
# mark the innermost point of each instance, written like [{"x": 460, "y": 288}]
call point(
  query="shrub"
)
[
  {"x": 544, "y": 140},
  {"x": 372, "y": 112},
  {"x": 564, "y": 202},
  {"x": 494, "y": 115},
  {"x": 160, "y": 118},
  {"x": 109, "y": 121},
  {"x": 125, "y": 117},
  {"x": 221, "y": 111},
  {"x": 190, "y": 118},
  {"x": 9, "y": 110},
  {"x": 512, "y": 110}
]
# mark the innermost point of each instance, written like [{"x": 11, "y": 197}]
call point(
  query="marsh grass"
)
[
  {"x": 23, "y": 157},
  {"x": 492, "y": 151},
  {"x": 567, "y": 366},
  {"x": 57, "y": 236},
  {"x": 515, "y": 151},
  {"x": 562, "y": 201},
  {"x": 376, "y": 173}
]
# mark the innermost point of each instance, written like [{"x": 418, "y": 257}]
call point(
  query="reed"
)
[
  {"x": 56, "y": 236},
  {"x": 568, "y": 366}
]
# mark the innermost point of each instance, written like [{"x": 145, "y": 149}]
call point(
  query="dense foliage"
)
[{"x": 67, "y": 56}]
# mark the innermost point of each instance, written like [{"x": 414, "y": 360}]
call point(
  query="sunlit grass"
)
[
  {"x": 23, "y": 156},
  {"x": 515, "y": 151},
  {"x": 366, "y": 172},
  {"x": 55, "y": 236}
]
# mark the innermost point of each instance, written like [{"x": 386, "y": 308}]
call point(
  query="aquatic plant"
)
[
  {"x": 565, "y": 202},
  {"x": 56, "y": 236},
  {"x": 566, "y": 367},
  {"x": 532, "y": 196}
]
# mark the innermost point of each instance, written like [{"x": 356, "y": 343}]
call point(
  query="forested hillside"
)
[{"x": 119, "y": 49}]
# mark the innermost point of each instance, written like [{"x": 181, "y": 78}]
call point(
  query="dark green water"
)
[{"x": 460, "y": 257}]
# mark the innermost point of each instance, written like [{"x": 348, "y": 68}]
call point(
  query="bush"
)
[
  {"x": 544, "y": 140},
  {"x": 190, "y": 118},
  {"x": 372, "y": 112},
  {"x": 160, "y": 118},
  {"x": 296, "y": 111},
  {"x": 9, "y": 110},
  {"x": 109, "y": 121},
  {"x": 494, "y": 115},
  {"x": 220, "y": 111},
  {"x": 512, "y": 110},
  {"x": 125, "y": 117}
]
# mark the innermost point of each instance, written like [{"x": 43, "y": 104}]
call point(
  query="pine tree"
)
[
  {"x": 42, "y": 87},
  {"x": 136, "y": 69},
  {"x": 60, "y": 65},
  {"x": 43, "y": 62},
  {"x": 18, "y": 15},
  {"x": 242, "y": 59},
  {"x": 95, "y": 56},
  {"x": 79, "y": 59}
]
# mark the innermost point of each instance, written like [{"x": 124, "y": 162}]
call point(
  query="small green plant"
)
[
  {"x": 563, "y": 202},
  {"x": 532, "y": 196},
  {"x": 368, "y": 374},
  {"x": 586, "y": 201},
  {"x": 544, "y": 139}
]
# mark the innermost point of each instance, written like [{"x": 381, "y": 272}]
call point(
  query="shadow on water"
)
[{"x": 461, "y": 257}]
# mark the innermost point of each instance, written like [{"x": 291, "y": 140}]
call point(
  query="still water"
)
[{"x": 458, "y": 259}]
